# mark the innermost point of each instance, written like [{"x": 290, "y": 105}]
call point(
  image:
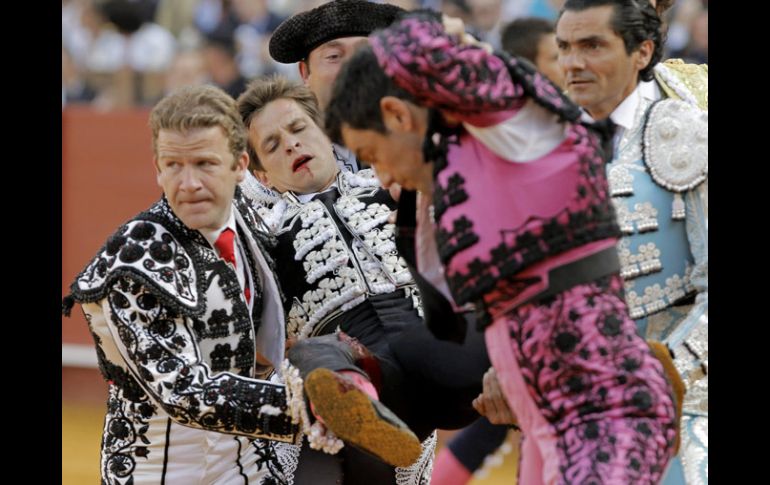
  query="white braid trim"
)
[{"x": 318, "y": 436}]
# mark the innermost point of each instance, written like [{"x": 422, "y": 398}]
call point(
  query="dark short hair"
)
[
  {"x": 661, "y": 6},
  {"x": 634, "y": 21},
  {"x": 521, "y": 37}
]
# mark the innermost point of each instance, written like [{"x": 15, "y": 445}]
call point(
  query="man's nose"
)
[{"x": 190, "y": 179}]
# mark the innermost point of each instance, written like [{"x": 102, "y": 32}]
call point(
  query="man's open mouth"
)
[{"x": 300, "y": 162}]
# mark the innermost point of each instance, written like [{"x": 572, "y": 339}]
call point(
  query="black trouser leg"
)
[
  {"x": 348, "y": 467},
  {"x": 326, "y": 351},
  {"x": 471, "y": 445},
  {"x": 441, "y": 377}
]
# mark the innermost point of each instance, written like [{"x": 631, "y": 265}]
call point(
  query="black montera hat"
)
[{"x": 293, "y": 40}]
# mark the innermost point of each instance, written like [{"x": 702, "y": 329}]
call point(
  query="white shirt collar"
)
[
  {"x": 623, "y": 116},
  {"x": 305, "y": 198},
  {"x": 212, "y": 236}
]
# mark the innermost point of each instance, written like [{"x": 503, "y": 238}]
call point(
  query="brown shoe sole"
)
[{"x": 355, "y": 419}]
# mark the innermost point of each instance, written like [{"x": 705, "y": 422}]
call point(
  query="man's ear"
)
[
  {"x": 157, "y": 171},
  {"x": 262, "y": 177},
  {"x": 396, "y": 114},
  {"x": 304, "y": 70},
  {"x": 644, "y": 53},
  {"x": 242, "y": 165}
]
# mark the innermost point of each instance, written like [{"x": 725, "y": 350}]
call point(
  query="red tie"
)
[{"x": 226, "y": 247}]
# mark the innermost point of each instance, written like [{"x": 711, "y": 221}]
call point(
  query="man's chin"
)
[
  {"x": 580, "y": 94},
  {"x": 308, "y": 183},
  {"x": 196, "y": 222}
]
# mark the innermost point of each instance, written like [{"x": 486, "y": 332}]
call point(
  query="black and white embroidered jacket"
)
[
  {"x": 177, "y": 344},
  {"x": 335, "y": 250}
]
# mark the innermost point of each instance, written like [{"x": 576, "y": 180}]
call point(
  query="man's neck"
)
[
  {"x": 606, "y": 109},
  {"x": 330, "y": 183},
  {"x": 211, "y": 235},
  {"x": 305, "y": 197},
  {"x": 625, "y": 114}
]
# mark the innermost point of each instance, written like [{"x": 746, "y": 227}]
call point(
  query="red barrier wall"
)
[{"x": 107, "y": 177}]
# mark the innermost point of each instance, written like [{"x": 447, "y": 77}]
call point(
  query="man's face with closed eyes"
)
[{"x": 295, "y": 153}]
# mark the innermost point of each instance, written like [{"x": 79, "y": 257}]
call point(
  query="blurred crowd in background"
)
[{"x": 122, "y": 53}]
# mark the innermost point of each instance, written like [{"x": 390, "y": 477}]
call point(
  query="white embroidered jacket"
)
[{"x": 177, "y": 344}]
